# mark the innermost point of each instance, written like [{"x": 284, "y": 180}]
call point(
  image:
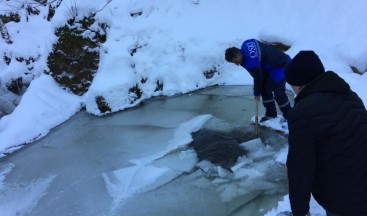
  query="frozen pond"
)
[{"x": 140, "y": 162}]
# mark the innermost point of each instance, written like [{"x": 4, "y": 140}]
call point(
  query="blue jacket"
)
[{"x": 263, "y": 61}]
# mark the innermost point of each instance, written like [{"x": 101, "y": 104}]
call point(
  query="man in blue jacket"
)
[{"x": 266, "y": 65}]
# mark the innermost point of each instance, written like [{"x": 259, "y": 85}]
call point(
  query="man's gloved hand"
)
[{"x": 257, "y": 98}]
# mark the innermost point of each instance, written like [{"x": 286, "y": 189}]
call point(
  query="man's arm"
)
[
  {"x": 258, "y": 76},
  {"x": 301, "y": 164}
]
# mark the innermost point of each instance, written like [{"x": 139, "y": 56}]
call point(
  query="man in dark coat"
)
[
  {"x": 266, "y": 65},
  {"x": 327, "y": 154}
]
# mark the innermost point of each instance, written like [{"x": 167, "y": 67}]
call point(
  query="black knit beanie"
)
[{"x": 303, "y": 68}]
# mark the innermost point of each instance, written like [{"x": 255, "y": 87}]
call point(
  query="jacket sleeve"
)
[
  {"x": 301, "y": 163},
  {"x": 258, "y": 75}
]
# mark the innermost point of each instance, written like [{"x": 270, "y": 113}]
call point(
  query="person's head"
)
[
  {"x": 302, "y": 69},
  {"x": 233, "y": 55}
]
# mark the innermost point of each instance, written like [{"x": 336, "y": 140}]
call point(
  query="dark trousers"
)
[
  {"x": 272, "y": 90},
  {"x": 333, "y": 214}
]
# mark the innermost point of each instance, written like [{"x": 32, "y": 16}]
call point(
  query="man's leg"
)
[
  {"x": 268, "y": 98},
  {"x": 281, "y": 98},
  {"x": 333, "y": 214}
]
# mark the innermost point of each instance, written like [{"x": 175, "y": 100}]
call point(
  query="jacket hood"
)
[{"x": 326, "y": 82}]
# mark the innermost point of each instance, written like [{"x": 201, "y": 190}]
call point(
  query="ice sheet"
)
[
  {"x": 21, "y": 198},
  {"x": 139, "y": 162},
  {"x": 181, "y": 138}
]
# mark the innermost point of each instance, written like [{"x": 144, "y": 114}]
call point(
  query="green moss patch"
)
[
  {"x": 210, "y": 73},
  {"x": 102, "y": 104},
  {"x": 357, "y": 71},
  {"x": 281, "y": 46},
  {"x": 135, "y": 93},
  {"x": 75, "y": 57}
]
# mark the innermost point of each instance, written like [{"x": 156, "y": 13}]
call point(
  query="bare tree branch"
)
[{"x": 108, "y": 1}]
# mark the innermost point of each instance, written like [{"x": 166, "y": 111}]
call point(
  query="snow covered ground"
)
[{"x": 180, "y": 39}]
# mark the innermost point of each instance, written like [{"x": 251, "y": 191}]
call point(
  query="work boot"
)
[{"x": 265, "y": 118}]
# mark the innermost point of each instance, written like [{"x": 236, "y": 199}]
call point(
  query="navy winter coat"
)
[{"x": 328, "y": 148}]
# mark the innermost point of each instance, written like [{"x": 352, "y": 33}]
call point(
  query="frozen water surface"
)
[{"x": 140, "y": 162}]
